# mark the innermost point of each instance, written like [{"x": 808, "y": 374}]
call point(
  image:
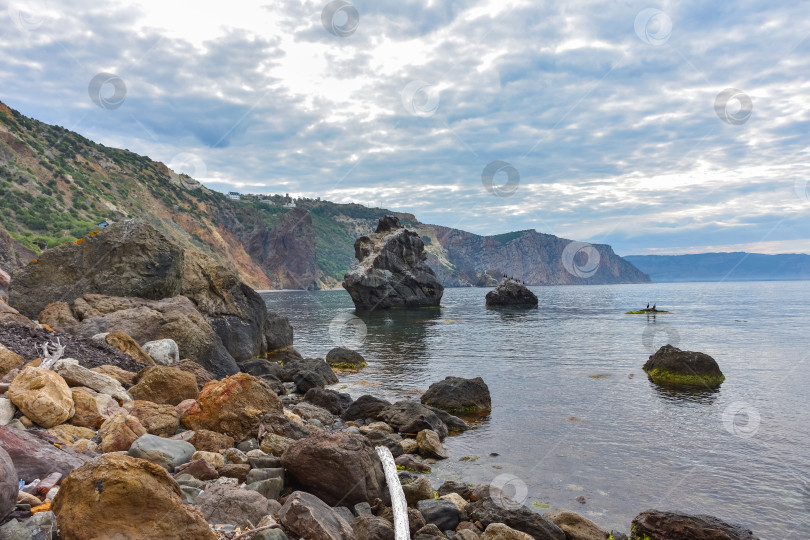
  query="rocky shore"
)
[{"x": 169, "y": 404}]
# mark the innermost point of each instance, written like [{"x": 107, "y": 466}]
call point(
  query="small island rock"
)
[
  {"x": 672, "y": 366},
  {"x": 511, "y": 292}
]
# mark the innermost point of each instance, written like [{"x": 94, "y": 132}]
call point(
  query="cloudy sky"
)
[{"x": 654, "y": 126}]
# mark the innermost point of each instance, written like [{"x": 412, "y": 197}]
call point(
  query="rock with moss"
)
[
  {"x": 674, "y": 367},
  {"x": 657, "y": 525},
  {"x": 345, "y": 359}
]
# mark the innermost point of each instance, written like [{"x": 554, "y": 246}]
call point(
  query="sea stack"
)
[
  {"x": 392, "y": 271},
  {"x": 511, "y": 292}
]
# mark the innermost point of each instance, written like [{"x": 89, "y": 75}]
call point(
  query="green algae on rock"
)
[{"x": 672, "y": 366}]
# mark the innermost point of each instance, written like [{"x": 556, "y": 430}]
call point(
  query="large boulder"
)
[
  {"x": 230, "y": 504},
  {"x": 233, "y": 406},
  {"x": 392, "y": 270},
  {"x": 458, "y": 395},
  {"x": 306, "y": 516},
  {"x": 339, "y": 467},
  {"x": 511, "y": 292},
  {"x": 8, "y": 484},
  {"x": 672, "y": 366},
  {"x": 346, "y": 359},
  {"x": 156, "y": 418},
  {"x": 440, "y": 512},
  {"x": 366, "y": 406},
  {"x": 92, "y": 408},
  {"x": 42, "y": 395},
  {"x": 656, "y": 525},
  {"x": 119, "y": 431},
  {"x": 294, "y": 366},
  {"x": 35, "y": 455},
  {"x": 117, "y": 496},
  {"x": 168, "y": 453},
  {"x": 9, "y": 315},
  {"x": 410, "y": 417},
  {"x": 488, "y": 511},
  {"x": 166, "y": 385}
]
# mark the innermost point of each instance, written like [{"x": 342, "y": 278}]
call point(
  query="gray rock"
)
[
  {"x": 390, "y": 440},
  {"x": 259, "y": 367},
  {"x": 163, "y": 351},
  {"x": 362, "y": 509},
  {"x": 442, "y": 513},
  {"x": 8, "y": 484},
  {"x": 266, "y": 461},
  {"x": 168, "y": 453},
  {"x": 365, "y": 406},
  {"x": 411, "y": 417},
  {"x": 674, "y": 526},
  {"x": 429, "y": 445},
  {"x": 278, "y": 332},
  {"x": 418, "y": 490},
  {"x": 458, "y": 395},
  {"x": 368, "y": 527},
  {"x": 40, "y": 526},
  {"x": 522, "y": 519},
  {"x": 672, "y": 366},
  {"x": 334, "y": 402},
  {"x": 309, "y": 517},
  {"x": 248, "y": 445},
  {"x": 256, "y": 475},
  {"x": 7, "y": 410},
  {"x": 227, "y": 504},
  {"x": 344, "y": 512},
  {"x": 511, "y": 293},
  {"x": 308, "y": 411},
  {"x": 270, "y": 488},
  {"x": 316, "y": 365}
]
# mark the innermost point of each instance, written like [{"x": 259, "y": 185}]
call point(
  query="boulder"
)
[
  {"x": 35, "y": 456},
  {"x": 415, "y": 519},
  {"x": 315, "y": 365},
  {"x": 364, "y": 407},
  {"x": 9, "y": 315},
  {"x": 58, "y": 315},
  {"x": 234, "y": 470},
  {"x": 306, "y": 516},
  {"x": 69, "y": 434},
  {"x": 9, "y": 360},
  {"x": 451, "y": 486},
  {"x": 260, "y": 366},
  {"x": 279, "y": 424},
  {"x": 418, "y": 490},
  {"x": 42, "y": 395},
  {"x": 162, "y": 384},
  {"x": 411, "y": 464},
  {"x": 368, "y": 527},
  {"x": 657, "y": 525},
  {"x": 126, "y": 378},
  {"x": 499, "y": 531},
  {"x": 278, "y": 332},
  {"x": 327, "y": 464},
  {"x": 119, "y": 431},
  {"x": 458, "y": 395},
  {"x": 275, "y": 444},
  {"x": 216, "y": 459},
  {"x": 411, "y": 417},
  {"x": 346, "y": 359},
  {"x": 117, "y": 496},
  {"x": 392, "y": 441},
  {"x": 157, "y": 419},
  {"x": 672, "y": 366},
  {"x": 392, "y": 270},
  {"x": 198, "y": 468},
  {"x": 91, "y": 408},
  {"x": 429, "y": 445},
  {"x": 270, "y": 488},
  {"x": 163, "y": 351},
  {"x": 308, "y": 411},
  {"x": 488, "y": 511},
  {"x": 201, "y": 375},
  {"x": 576, "y": 527},
  {"x": 307, "y": 380},
  {"x": 442, "y": 513},
  {"x": 211, "y": 441},
  {"x": 228, "y": 504},
  {"x": 233, "y": 406},
  {"x": 76, "y": 375},
  {"x": 429, "y": 532},
  {"x": 167, "y": 453},
  {"x": 7, "y": 411},
  {"x": 510, "y": 292},
  {"x": 124, "y": 343},
  {"x": 332, "y": 401},
  {"x": 8, "y": 484}
]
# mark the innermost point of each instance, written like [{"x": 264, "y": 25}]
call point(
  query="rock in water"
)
[
  {"x": 392, "y": 270},
  {"x": 655, "y": 525},
  {"x": 511, "y": 293},
  {"x": 116, "y": 496},
  {"x": 672, "y": 366},
  {"x": 489, "y": 511},
  {"x": 458, "y": 395}
]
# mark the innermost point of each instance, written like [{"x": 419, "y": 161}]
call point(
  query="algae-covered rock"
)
[{"x": 672, "y": 366}]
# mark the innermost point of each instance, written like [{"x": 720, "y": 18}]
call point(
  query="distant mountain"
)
[
  {"x": 737, "y": 266},
  {"x": 57, "y": 186}
]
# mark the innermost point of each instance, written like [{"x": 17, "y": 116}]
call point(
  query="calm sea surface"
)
[{"x": 573, "y": 413}]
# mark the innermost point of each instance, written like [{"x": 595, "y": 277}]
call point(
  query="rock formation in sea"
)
[
  {"x": 672, "y": 366},
  {"x": 392, "y": 271},
  {"x": 511, "y": 292}
]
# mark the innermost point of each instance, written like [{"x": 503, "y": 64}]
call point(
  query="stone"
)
[
  {"x": 58, "y": 315},
  {"x": 269, "y": 488},
  {"x": 161, "y": 384},
  {"x": 216, "y": 460},
  {"x": 411, "y": 464},
  {"x": 306, "y": 380},
  {"x": 124, "y": 343},
  {"x": 228, "y": 504},
  {"x": 199, "y": 468},
  {"x": 345, "y": 359},
  {"x": 429, "y": 532},
  {"x": 69, "y": 434},
  {"x": 410, "y": 417},
  {"x": 164, "y": 352},
  {"x": 418, "y": 490},
  {"x": 278, "y": 332},
  {"x": 415, "y": 519},
  {"x": 576, "y": 527},
  {"x": 201, "y": 375},
  {"x": 392, "y": 441},
  {"x": 233, "y": 406},
  {"x": 409, "y": 446},
  {"x": 126, "y": 378},
  {"x": 325, "y": 464},
  {"x": 8, "y": 484},
  {"x": 457, "y": 395},
  {"x": 308, "y": 411},
  {"x": 91, "y": 408},
  {"x": 211, "y": 441},
  {"x": 440, "y": 512},
  {"x": 260, "y": 460},
  {"x": 316, "y": 365},
  {"x": 307, "y": 516},
  {"x": 167, "y": 453},
  {"x": 332, "y": 401},
  {"x": 362, "y": 509},
  {"x": 512, "y": 293},
  {"x": 657, "y": 525},
  {"x": 259, "y": 367},
  {"x": 451, "y": 486},
  {"x": 368, "y": 527},
  {"x": 158, "y": 419},
  {"x": 467, "y": 534},
  {"x": 456, "y": 499},
  {"x": 119, "y": 431},
  {"x": 280, "y": 424},
  {"x": 429, "y": 444},
  {"x": 232, "y": 470},
  {"x": 9, "y": 315},
  {"x": 488, "y": 511},
  {"x": 275, "y": 444},
  {"x": 35, "y": 456},
  {"x": 499, "y": 531},
  {"x": 392, "y": 270},
  {"x": 117, "y": 496},
  {"x": 76, "y": 375},
  {"x": 234, "y": 455},
  {"x": 9, "y": 360},
  {"x": 7, "y": 410},
  {"x": 672, "y": 366},
  {"x": 42, "y": 395},
  {"x": 256, "y": 475}
]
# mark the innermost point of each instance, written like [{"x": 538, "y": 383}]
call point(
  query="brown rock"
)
[
  {"x": 233, "y": 470},
  {"x": 215, "y": 459},
  {"x": 372, "y": 528},
  {"x": 211, "y": 441},
  {"x": 116, "y": 496},
  {"x": 76, "y": 375},
  {"x": 92, "y": 408},
  {"x": 275, "y": 444},
  {"x": 9, "y": 360},
  {"x": 119, "y": 431},
  {"x": 430, "y": 445},
  {"x": 161, "y": 384},
  {"x": 576, "y": 527},
  {"x": 9, "y": 315},
  {"x": 70, "y": 434},
  {"x": 200, "y": 373},
  {"x": 657, "y": 525},
  {"x": 233, "y": 406},
  {"x": 199, "y": 469},
  {"x": 309, "y": 517},
  {"x": 124, "y": 343},
  {"x": 226, "y": 504},
  {"x": 126, "y": 378},
  {"x": 42, "y": 395},
  {"x": 58, "y": 316},
  {"x": 158, "y": 419},
  {"x": 34, "y": 454},
  {"x": 8, "y": 484},
  {"x": 499, "y": 531}
]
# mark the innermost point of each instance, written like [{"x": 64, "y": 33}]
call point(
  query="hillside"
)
[
  {"x": 56, "y": 186},
  {"x": 736, "y": 266}
]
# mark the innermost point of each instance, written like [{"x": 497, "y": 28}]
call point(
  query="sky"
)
[{"x": 656, "y": 127}]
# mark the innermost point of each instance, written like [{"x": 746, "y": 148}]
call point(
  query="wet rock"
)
[
  {"x": 42, "y": 395},
  {"x": 440, "y": 512},
  {"x": 576, "y": 527},
  {"x": 227, "y": 504},
  {"x": 411, "y": 464},
  {"x": 418, "y": 490},
  {"x": 657, "y": 525},
  {"x": 429, "y": 444},
  {"x": 325, "y": 464},
  {"x": 124, "y": 343},
  {"x": 488, "y": 511},
  {"x": 368, "y": 527},
  {"x": 8, "y": 484},
  {"x": 334, "y": 402},
  {"x": 365, "y": 406},
  {"x": 672, "y": 366},
  {"x": 510, "y": 292},
  {"x": 499, "y": 531},
  {"x": 158, "y": 419},
  {"x": 166, "y": 385},
  {"x": 116, "y": 496},
  {"x": 233, "y": 406},
  {"x": 458, "y": 395},
  {"x": 167, "y": 453},
  {"x": 35, "y": 456},
  {"x": 119, "y": 431},
  {"x": 76, "y": 375},
  {"x": 163, "y": 351},
  {"x": 211, "y": 441},
  {"x": 392, "y": 270},
  {"x": 309, "y": 517},
  {"x": 346, "y": 359},
  {"x": 411, "y": 417}
]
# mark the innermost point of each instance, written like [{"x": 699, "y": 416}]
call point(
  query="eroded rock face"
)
[
  {"x": 656, "y": 525},
  {"x": 672, "y": 366},
  {"x": 117, "y": 496},
  {"x": 392, "y": 270},
  {"x": 511, "y": 293}
]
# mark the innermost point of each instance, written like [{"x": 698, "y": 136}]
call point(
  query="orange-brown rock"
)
[
  {"x": 124, "y": 343},
  {"x": 92, "y": 408},
  {"x": 233, "y": 406},
  {"x": 117, "y": 496},
  {"x": 9, "y": 360},
  {"x": 126, "y": 378},
  {"x": 119, "y": 431},
  {"x": 158, "y": 419},
  {"x": 58, "y": 315},
  {"x": 162, "y": 384},
  {"x": 211, "y": 441},
  {"x": 42, "y": 395},
  {"x": 69, "y": 434}
]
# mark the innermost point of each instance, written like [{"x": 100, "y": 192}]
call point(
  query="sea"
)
[{"x": 575, "y": 422}]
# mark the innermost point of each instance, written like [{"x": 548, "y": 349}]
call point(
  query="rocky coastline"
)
[{"x": 164, "y": 402}]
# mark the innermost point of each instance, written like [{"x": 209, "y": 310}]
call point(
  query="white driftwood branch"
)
[
  {"x": 398, "y": 503},
  {"x": 50, "y": 358}
]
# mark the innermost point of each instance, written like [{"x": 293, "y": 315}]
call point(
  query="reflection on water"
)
[{"x": 575, "y": 416}]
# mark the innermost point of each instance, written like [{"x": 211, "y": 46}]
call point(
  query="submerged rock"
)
[
  {"x": 656, "y": 525},
  {"x": 392, "y": 270},
  {"x": 511, "y": 293},
  {"x": 672, "y": 366}
]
